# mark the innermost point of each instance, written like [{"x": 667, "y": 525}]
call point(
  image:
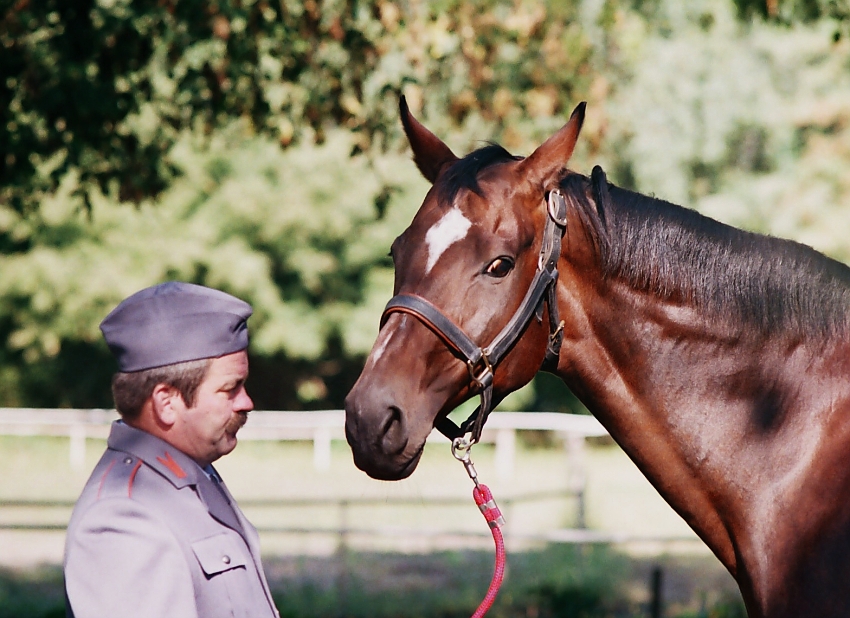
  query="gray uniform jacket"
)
[{"x": 152, "y": 536}]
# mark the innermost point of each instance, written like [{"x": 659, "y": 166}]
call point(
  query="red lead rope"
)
[
  {"x": 484, "y": 500},
  {"x": 489, "y": 508}
]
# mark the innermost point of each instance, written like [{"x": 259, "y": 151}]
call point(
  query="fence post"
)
[
  {"x": 574, "y": 443},
  {"x": 505, "y": 452},
  {"x": 322, "y": 448},
  {"x": 77, "y": 453},
  {"x": 343, "y": 575},
  {"x": 656, "y": 590}
]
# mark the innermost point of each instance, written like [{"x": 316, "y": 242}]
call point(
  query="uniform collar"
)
[
  {"x": 180, "y": 469},
  {"x": 171, "y": 463}
]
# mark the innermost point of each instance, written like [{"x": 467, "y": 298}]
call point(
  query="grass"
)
[
  {"x": 34, "y": 593},
  {"x": 589, "y": 581},
  {"x": 560, "y": 580},
  {"x": 314, "y": 576}
]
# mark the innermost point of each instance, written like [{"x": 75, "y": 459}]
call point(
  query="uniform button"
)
[
  {"x": 128, "y": 460},
  {"x": 225, "y": 559}
]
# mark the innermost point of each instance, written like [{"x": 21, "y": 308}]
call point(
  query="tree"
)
[
  {"x": 287, "y": 185},
  {"x": 104, "y": 89},
  {"x": 307, "y": 250},
  {"x": 794, "y": 11},
  {"x": 174, "y": 104}
]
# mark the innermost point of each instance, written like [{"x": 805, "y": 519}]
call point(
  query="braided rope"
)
[{"x": 484, "y": 499}]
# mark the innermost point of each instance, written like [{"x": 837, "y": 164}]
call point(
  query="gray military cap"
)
[{"x": 175, "y": 322}]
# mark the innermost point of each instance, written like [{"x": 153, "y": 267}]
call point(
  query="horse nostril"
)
[{"x": 393, "y": 436}]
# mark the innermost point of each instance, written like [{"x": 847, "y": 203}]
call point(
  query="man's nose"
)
[{"x": 243, "y": 402}]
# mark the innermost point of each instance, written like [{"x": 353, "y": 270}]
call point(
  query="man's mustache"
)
[{"x": 237, "y": 422}]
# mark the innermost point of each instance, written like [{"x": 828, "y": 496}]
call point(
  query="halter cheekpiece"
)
[{"x": 482, "y": 362}]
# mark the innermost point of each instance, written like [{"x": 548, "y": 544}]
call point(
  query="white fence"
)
[{"x": 320, "y": 427}]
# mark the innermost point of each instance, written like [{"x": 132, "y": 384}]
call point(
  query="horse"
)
[{"x": 717, "y": 358}]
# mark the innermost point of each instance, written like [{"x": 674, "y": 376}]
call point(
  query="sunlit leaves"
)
[
  {"x": 262, "y": 144},
  {"x": 104, "y": 89}
]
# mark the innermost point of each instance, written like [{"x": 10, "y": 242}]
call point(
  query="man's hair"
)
[{"x": 131, "y": 390}]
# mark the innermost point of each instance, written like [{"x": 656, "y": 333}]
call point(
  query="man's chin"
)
[
  {"x": 226, "y": 445},
  {"x": 230, "y": 442}
]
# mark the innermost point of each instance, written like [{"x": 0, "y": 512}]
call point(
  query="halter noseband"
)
[{"x": 482, "y": 362}]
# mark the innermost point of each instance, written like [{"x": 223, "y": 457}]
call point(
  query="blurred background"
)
[{"x": 254, "y": 146}]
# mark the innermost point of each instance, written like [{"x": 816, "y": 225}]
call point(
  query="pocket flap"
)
[{"x": 219, "y": 553}]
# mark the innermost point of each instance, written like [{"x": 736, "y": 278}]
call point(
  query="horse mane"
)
[
  {"x": 463, "y": 173},
  {"x": 680, "y": 255}
]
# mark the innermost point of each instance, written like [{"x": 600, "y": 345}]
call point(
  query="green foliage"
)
[
  {"x": 791, "y": 11},
  {"x": 267, "y": 134},
  {"x": 307, "y": 249},
  {"x": 560, "y": 580},
  {"x": 746, "y": 124},
  {"x": 105, "y": 88},
  {"x": 571, "y": 602},
  {"x": 452, "y": 584},
  {"x": 110, "y": 101},
  {"x": 38, "y": 594}
]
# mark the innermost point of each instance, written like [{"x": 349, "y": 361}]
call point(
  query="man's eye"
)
[
  {"x": 232, "y": 389},
  {"x": 500, "y": 267}
]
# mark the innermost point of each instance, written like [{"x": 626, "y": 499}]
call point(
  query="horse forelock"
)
[
  {"x": 678, "y": 254},
  {"x": 463, "y": 174}
]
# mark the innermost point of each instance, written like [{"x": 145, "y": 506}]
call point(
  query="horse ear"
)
[
  {"x": 544, "y": 166},
  {"x": 429, "y": 153}
]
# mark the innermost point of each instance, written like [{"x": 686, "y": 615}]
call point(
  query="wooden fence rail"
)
[
  {"x": 343, "y": 531},
  {"x": 320, "y": 427}
]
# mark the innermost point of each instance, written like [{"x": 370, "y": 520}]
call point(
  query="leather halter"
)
[{"x": 482, "y": 362}]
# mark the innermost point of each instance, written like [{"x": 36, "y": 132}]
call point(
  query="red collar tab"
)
[{"x": 168, "y": 462}]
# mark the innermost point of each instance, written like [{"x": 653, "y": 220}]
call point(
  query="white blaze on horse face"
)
[
  {"x": 383, "y": 339},
  {"x": 446, "y": 232}
]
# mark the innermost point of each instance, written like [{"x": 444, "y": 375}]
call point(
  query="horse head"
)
[{"x": 470, "y": 254}]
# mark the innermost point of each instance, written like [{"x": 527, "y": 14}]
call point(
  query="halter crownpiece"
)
[{"x": 482, "y": 362}]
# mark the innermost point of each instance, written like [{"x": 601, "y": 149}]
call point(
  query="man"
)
[{"x": 155, "y": 532}]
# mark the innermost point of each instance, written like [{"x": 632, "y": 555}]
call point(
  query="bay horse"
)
[{"x": 718, "y": 359}]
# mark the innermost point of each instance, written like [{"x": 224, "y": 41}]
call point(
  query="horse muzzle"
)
[{"x": 378, "y": 430}]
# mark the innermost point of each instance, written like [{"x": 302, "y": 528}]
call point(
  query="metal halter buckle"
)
[
  {"x": 557, "y": 207},
  {"x": 481, "y": 372}
]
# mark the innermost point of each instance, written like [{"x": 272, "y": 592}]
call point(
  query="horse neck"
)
[
  {"x": 736, "y": 420},
  {"x": 677, "y": 392}
]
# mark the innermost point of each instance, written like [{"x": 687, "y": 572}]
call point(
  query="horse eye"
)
[{"x": 500, "y": 267}]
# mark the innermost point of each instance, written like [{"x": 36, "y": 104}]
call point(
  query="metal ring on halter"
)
[{"x": 460, "y": 449}]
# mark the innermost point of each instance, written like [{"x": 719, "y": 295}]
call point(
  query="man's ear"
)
[{"x": 166, "y": 403}]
